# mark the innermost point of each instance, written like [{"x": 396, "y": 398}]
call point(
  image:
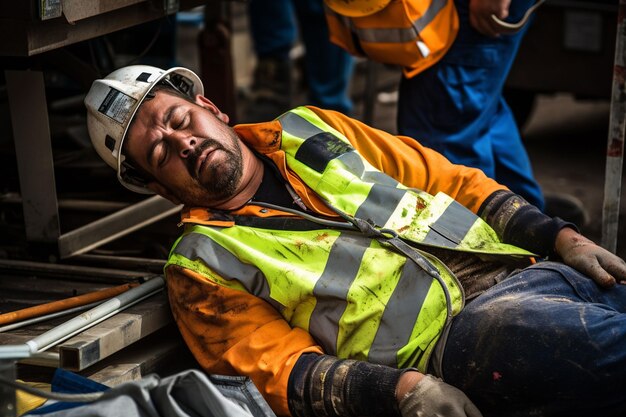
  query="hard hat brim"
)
[{"x": 356, "y": 8}]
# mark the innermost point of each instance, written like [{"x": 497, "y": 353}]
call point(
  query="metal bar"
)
[
  {"x": 122, "y": 261},
  {"x": 7, "y": 394},
  {"x": 156, "y": 353},
  {"x": 114, "y": 334},
  {"x": 31, "y": 134},
  {"x": 95, "y": 315},
  {"x": 97, "y": 206},
  {"x": 115, "y": 225},
  {"x": 371, "y": 91},
  {"x": 30, "y": 37},
  {"x": 88, "y": 319},
  {"x": 46, "y": 359},
  {"x": 615, "y": 148},
  {"x": 72, "y": 271},
  {"x": 60, "y": 305},
  {"x": 51, "y": 316},
  {"x": 216, "y": 58}
]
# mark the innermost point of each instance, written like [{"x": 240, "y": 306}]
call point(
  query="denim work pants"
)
[
  {"x": 546, "y": 341},
  {"x": 456, "y": 106},
  {"x": 274, "y": 26}
]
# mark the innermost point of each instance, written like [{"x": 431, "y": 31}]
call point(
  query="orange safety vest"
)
[{"x": 414, "y": 34}]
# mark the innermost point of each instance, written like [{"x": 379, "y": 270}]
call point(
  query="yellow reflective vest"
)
[{"x": 354, "y": 285}]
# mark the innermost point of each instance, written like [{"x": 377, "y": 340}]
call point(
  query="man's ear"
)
[
  {"x": 202, "y": 101},
  {"x": 163, "y": 192}
]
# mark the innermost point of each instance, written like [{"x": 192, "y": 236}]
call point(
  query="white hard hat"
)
[{"x": 112, "y": 103}]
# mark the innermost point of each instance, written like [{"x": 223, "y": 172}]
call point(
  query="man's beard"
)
[{"x": 220, "y": 183}]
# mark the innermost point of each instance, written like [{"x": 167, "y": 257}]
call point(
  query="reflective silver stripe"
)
[
  {"x": 380, "y": 178},
  {"x": 400, "y": 315},
  {"x": 331, "y": 289},
  {"x": 381, "y": 201},
  {"x": 355, "y": 165},
  {"x": 298, "y": 126},
  {"x": 353, "y": 162},
  {"x": 435, "y": 7},
  {"x": 196, "y": 246},
  {"x": 400, "y": 35},
  {"x": 451, "y": 227},
  {"x": 380, "y": 204}
]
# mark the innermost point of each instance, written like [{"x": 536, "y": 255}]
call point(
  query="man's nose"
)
[{"x": 186, "y": 146}]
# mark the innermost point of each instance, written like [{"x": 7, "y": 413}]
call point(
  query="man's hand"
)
[
  {"x": 480, "y": 15},
  {"x": 592, "y": 260},
  {"x": 431, "y": 397}
]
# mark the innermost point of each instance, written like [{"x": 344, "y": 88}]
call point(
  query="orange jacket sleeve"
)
[
  {"x": 412, "y": 164},
  {"x": 231, "y": 332}
]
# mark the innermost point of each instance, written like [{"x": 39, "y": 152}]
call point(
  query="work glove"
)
[
  {"x": 431, "y": 397},
  {"x": 592, "y": 260}
]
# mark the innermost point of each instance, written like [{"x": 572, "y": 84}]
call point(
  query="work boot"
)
[
  {"x": 567, "y": 207},
  {"x": 270, "y": 94}
]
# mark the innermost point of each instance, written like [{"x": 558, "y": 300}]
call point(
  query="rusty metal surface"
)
[
  {"x": 22, "y": 33},
  {"x": 615, "y": 147},
  {"x": 75, "y": 10}
]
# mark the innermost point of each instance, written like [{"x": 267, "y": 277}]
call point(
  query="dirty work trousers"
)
[
  {"x": 457, "y": 107},
  {"x": 546, "y": 341}
]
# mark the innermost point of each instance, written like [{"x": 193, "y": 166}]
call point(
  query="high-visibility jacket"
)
[
  {"x": 414, "y": 34},
  {"x": 356, "y": 295}
]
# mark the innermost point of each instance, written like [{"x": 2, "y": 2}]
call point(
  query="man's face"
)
[{"x": 193, "y": 156}]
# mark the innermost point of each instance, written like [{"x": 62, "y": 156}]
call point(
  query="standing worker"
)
[
  {"x": 275, "y": 26},
  {"x": 456, "y": 58},
  {"x": 336, "y": 264}
]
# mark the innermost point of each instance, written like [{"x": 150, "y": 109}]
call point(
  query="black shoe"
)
[
  {"x": 270, "y": 93},
  {"x": 567, "y": 207}
]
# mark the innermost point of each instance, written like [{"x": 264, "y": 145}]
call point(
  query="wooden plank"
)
[
  {"x": 163, "y": 352},
  {"x": 115, "y": 333}
]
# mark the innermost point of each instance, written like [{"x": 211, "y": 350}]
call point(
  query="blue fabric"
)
[
  {"x": 274, "y": 28},
  {"x": 69, "y": 383},
  {"x": 457, "y": 107},
  {"x": 546, "y": 341}
]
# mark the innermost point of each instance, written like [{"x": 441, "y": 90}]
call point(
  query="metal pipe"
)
[
  {"x": 84, "y": 321},
  {"x": 615, "y": 148},
  {"x": 117, "y": 261},
  {"x": 60, "y": 305},
  {"x": 98, "y": 206},
  {"x": 51, "y": 316},
  {"x": 7, "y": 394},
  {"x": 115, "y": 225},
  {"x": 46, "y": 359},
  {"x": 84, "y": 273}
]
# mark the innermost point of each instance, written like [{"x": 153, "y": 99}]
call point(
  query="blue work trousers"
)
[
  {"x": 274, "y": 27},
  {"x": 547, "y": 341},
  {"x": 457, "y": 107}
]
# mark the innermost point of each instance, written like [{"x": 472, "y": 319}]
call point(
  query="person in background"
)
[
  {"x": 457, "y": 106},
  {"x": 274, "y": 27},
  {"x": 456, "y": 58}
]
